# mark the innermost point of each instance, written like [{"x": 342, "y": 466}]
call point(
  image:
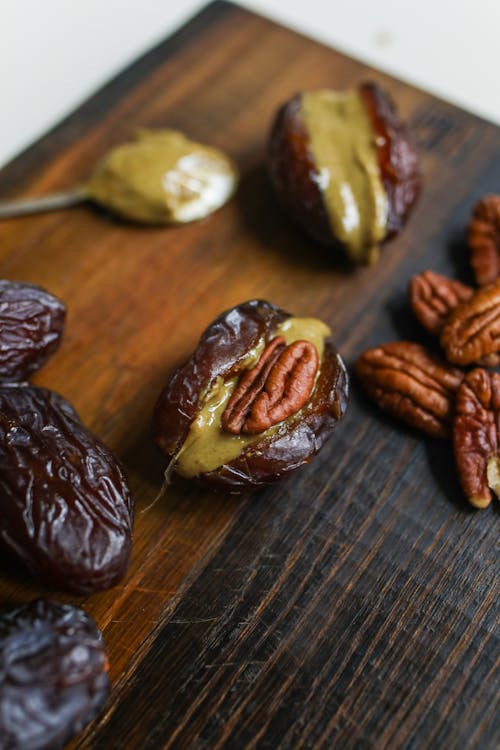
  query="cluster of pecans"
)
[{"x": 435, "y": 395}]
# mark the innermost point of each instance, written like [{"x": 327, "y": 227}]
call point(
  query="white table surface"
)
[{"x": 55, "y": 53}]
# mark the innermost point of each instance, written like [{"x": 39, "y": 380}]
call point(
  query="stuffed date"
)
[
  {"x": 53, "y": 675},
  {"x": 31, "y": 326},
  {"x": 257, "y": 398},
  {"x": 66, "y": 508},
  {"x": 343, "y": 166}
]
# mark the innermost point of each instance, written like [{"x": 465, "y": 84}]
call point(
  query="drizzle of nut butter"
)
[
  {"x": 343, "y": 146},
  {"x": 207, "y": 446},
  {"x": 162, "y": 177}
]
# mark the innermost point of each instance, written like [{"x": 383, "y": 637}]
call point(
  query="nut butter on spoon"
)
[{"x": 161, "y": 177}]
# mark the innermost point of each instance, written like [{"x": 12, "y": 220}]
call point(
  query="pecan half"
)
[
  {"x": 407, "y": 381},
  {"x": 274, "y": 389},
  {"x": 476, "y": 436},
  {"x": 483, "y": 236},
  {"x": 249, "y": 387},
  {"x": 472, "y": 331},
  {"x": 433, "y": 297}
]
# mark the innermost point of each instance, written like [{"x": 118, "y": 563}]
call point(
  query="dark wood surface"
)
[{"x": 355, "y": 604}]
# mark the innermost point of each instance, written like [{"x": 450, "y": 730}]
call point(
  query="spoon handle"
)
[{"x": 51, "y": 202}]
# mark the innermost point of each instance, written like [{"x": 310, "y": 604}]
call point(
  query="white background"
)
[{"x": 54, "y": 53}]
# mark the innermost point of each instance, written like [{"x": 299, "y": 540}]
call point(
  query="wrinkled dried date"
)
[
  {"x": 409, "y": 383},
  {"x": 433, "y": 297},
  {"x": 66, "y": 507},
  {"x": 476, "y": 436},
  {"x": 221, "y": 355},
  {"x": 31, "y": 326},
  {"x": 53, "y": 675}
]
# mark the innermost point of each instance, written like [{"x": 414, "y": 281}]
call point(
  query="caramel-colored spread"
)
[
  {"x": 207, "y": 446},
  {"x": 163, "y": 178},
  {"x": 343, "y": 146}
]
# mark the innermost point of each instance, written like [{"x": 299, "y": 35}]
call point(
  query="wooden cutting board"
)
[{"x": 353, "y": 605}]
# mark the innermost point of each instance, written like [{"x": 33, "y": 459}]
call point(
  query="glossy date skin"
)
[
  {"x": 31, "y": 326},
  {"x": 66, "y": 507},
  {"x": 293, "y": 171},
  {"x": 53, "y": 675},
  {"x": 220, "y": 352},
  {"x": 397, "y": 158}
]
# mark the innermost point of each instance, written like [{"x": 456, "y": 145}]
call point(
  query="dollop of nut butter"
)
[
  {"x": 343, "y": 145},
  {"x": 163, "y": 178},
  {"x": 208, "y": 446}
]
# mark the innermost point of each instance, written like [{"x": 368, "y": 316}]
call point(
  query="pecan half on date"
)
[
  {"x": 344, "y": 167},
  {"x": 409, "y": 383},
  {"x": 31, "y": 326},
  {"x": 53, "y": 675},
  {"x": 433, "y": 297},
  {"x": 258, "y": 397},
  {"x": 274, "y": 389},
  {"x": 66, "y": 507},
  {"x": 471, "y": 333},
  {"x": 483, "y": 237},
  {"x": 476, "y": 436}
]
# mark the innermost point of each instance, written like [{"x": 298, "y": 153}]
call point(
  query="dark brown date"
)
[
  {"x": 66, "y": 508},
  {"x": 294, "y": 173},
  {"x": 53, "y": 675},
  {"x": 397, "y": 158},
  {"x": 31, "y": 326},
  {"x": 221, "y": 354}
]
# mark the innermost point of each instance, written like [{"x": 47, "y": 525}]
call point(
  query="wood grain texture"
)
[{"x": 354, "y": 605}]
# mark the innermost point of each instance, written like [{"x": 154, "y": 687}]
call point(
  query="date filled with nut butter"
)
[
  {"x": 257, "y": 398},
  {"x": 343, "y": 166}
]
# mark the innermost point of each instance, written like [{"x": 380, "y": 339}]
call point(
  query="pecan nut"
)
[
  {"x": 277, "y": 387},
  {"x": 471, "y": 333},
  {"x": 433, "y": 297},
  {"x": 483, "y": 237},
  {"x": 476, "y": 436},
  {"x": 409, "y": 383}
]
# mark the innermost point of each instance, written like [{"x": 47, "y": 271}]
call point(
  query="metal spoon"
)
[{"x": 51, "y": 202}]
